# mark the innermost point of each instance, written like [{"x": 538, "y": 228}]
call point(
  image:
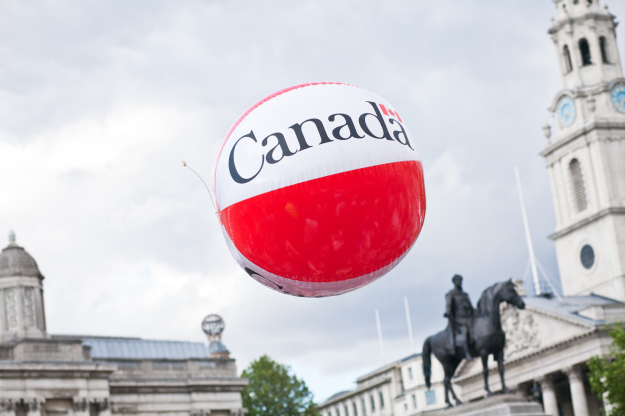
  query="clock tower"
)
[{"x": 586, "y": 156}]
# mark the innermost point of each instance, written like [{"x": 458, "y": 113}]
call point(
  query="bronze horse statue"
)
[{"x": 487, "y": 337}]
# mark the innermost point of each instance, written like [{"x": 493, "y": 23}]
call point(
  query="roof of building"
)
[
  {"x": 110, "y": 348},
  {"x": 15, "y": 261},
  {"x": 339, "y": 394},
  {"x": 217, "y": 347},
  {"x": 386, "y": 367},
  {"x": 570, "y": 306},
  {"x": 370, "y": 375}
]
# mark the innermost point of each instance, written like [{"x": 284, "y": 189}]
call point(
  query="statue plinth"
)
[{"x": 498, "y": 405}]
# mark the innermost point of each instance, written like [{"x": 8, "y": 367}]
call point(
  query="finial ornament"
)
[
  {"x": 547, "y": 131},
  {"x": 11, "y": 237}
]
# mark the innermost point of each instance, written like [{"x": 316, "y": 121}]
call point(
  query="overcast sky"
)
[{"x": 101, "y": 100}]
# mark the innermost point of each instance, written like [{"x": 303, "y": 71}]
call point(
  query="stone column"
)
[
  {"x": 103, "y": 406},
  {"x": 550, "y": 403},
  {"x": 33, "y": 406},
  {"x": 80, "y": 405},
  {"x": 7, "y": 407},
  {"x": 578, "y": 393}
]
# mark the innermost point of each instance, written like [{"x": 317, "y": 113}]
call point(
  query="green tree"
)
[
  {"x": 273, "y": 391},
  {"x": 607, "y": 375}
]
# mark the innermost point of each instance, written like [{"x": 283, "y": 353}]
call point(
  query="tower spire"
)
[{"x": 586, "y": 174}]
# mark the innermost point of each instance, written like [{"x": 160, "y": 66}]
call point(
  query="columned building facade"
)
[
  {"x": 397, "y": 388},
  {"x": 549, "y": 342},
  {"x": 43, "y": 374}
]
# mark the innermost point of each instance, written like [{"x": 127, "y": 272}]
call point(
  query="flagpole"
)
[
  {"x": 528, "y": 237},
  {"x": 412, "y": 350},
  {"x": 377, "y": 318}
]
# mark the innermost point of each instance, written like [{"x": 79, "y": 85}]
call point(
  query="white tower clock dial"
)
[
  {"x": 566, "y": 111},
  {"x": 618, "y": 97}
]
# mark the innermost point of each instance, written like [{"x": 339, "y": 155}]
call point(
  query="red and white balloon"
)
[{"x": 319, "y": 189}]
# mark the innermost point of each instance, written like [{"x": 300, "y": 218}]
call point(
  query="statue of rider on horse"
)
[
  {"x": 470, "y": 333},
  {"x": 459, "y": 312}
]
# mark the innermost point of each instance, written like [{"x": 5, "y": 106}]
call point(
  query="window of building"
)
[
  {"x": 410, "y": 373},
  {"x": 587, "y": 256},
  {"x": 345, "y": 409},
  {"x": 355, "y": 409},
  {"x": 568, "y": 66},
  {"x": 364, "y": 406},
  {"x": 372, "y": 403},
  {"x": 338, "y": 412},
  {"x": 414, "y": 401},
  {"x": 381, "y": 401},
  {"x": 604, "y": 50},
  {"x": 584, "y": 50},
  {"x": 579, "y": 191},
  {"x": 430, "y": 397},
  {"x": 406, "y": 407}
]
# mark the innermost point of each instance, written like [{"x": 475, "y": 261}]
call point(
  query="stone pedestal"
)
[{"x": 498, "y": 405}]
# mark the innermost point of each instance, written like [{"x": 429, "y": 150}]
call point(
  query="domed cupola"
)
[
  {"x": 21, "y": 295},
  {"x": 15, "y": 261}
]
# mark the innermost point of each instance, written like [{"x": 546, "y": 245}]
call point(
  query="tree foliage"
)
[
  {"x": 273, "y": 391},
  {"x": 607, "y": 375}
]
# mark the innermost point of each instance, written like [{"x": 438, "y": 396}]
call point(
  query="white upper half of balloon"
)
[{"x": 308, "y": 132}]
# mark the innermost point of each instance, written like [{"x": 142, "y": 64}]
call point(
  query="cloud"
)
[{"x": 101, "y": 100}]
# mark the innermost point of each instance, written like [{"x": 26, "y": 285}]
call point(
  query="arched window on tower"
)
[
  {"x": 579, "y": 191},
  {"x": 568, "y": 66},
  {"x": 584, "y": 50},
  {"x": 604, "y": 50}
]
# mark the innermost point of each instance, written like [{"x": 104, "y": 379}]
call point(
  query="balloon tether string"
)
[{"x": 206, "y": 186}]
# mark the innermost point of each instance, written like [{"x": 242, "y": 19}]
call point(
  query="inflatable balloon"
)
[{"x": 319, "y": 189}]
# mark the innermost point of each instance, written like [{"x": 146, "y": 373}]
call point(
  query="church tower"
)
[
  {"x": 21, "y": 295},
  {"x": 586, "y": 156}
]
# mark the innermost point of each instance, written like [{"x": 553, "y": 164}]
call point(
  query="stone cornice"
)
[
  {"x": 54, "y": 374},
  {"x": 558, "y": 317},
  {"x": 597, "y": 124},
  {"x": 173, "y": 389},
  {"x": 176, "y": 386},
  {"x": 118, "y": 381},
  {"x": 587, "y": 220},
  {"x": 572, "y": 20},
  {"x": 585, "y": 91}
]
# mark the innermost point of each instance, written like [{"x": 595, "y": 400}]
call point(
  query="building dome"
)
[{"x": 15, "y": 261}]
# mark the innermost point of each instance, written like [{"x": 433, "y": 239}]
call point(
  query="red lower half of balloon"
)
[{"x": 332, "y": 229}]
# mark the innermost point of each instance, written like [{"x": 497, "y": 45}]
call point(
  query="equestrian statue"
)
[{"x": 470, "y": 333}]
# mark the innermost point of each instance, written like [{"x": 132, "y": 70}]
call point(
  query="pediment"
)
[{"x": 528, "y": 331}]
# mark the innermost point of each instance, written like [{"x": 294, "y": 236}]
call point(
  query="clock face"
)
[
  {"x": 566, "y": 111},
  {"x": 618, "y": 98}
]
